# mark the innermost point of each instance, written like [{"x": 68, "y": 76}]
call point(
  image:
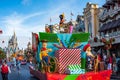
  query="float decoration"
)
[
  {"x": 108, "y": 43},
  {"x": 67, "y": 57},
  {"x": 62, "y": 20},
  {"x": 35, "y": 41},
  {"x": 95, "y": 39},
  {"x": 68, "y": 54},
  {"x": 87, "y": 49}
]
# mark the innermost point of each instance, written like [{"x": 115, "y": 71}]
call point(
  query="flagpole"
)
[
  {"x": 50, "y": 20},
  {"x": 71, "y": 15}
]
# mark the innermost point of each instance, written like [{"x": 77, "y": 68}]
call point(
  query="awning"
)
[
  {"x": 118, "y": 23},
  {"x": 110, "y": 25},
  {"x": 102, "y": 28},
  {"x": 115, "y": 24},
  {"x": 105, "y": 5},
  {"x": 107, "y": 26},
  {"x": 109, "y": 3}
]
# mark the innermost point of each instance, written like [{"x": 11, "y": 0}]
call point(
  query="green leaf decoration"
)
[
  {"x": 50, "y": 37},
  {"x": 82, "y": 37}
]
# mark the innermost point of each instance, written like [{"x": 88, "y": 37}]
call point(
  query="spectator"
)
[
  {"x": 90, "y": 66},
  {"x": 14, "y": 63},
  {"x": 18, "y": 65},
  {"x": 114, "y": 63},
  {"x": 110, "y": 63},
  {"x": 5, "y": 70},
  {"x": 105, "y": 60},
  {"x": 104, "y": 57}
]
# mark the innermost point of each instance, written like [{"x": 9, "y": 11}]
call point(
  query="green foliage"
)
[
  {"x": 48, "y": 36},
  {"x": 2, "y": 54},
  {"x": 82, "y": 37}
]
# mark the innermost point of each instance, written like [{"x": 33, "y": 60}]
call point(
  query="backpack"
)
[{"x": 4, "y": 69}]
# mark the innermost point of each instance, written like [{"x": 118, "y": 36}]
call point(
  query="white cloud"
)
[
  {"x": 23, "y": 31},
  {"x": 15, "y": 22}
]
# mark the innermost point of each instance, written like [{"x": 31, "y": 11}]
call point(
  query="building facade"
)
[
  {"x": 91, "y": 19},
  {"x": 110, "y": 24},
  {"x": 80, "y": 26}
]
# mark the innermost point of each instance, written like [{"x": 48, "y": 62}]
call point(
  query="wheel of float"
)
[
  {"x": 53, "y": 64},
  {"x": 42, "y": 66}
]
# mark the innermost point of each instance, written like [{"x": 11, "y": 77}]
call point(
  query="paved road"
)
[
  {"x": 25, "y": 75},
  {"x": 22, "y": 75}
]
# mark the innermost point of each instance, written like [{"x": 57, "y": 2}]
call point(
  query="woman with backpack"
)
[{"x": 5, "y": 70}]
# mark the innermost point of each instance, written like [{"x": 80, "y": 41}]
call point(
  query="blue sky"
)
[{"x": 26, "y": 16}]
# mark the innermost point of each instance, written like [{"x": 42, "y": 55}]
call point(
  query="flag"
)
[
  {"x": 0, "y": 31},
  {"x": 2, "y": 41},
  {"x": 72, "y": 14},
  {"x": 50, "y": 20}
]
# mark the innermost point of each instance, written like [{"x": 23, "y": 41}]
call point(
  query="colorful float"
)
[{"x": 62, "y": 56}]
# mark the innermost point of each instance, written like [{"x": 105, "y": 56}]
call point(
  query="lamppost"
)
[{"x": 107, "y": 41}]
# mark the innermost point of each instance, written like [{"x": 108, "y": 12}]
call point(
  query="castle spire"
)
[{"x": 14, "y": 33}]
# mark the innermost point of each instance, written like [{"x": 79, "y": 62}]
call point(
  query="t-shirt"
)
[
  {"x": 114, "y": 59},
  {"x": 110, "y": 60},
  {"x": 5, "y": 69}
]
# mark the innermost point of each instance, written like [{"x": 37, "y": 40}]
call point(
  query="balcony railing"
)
[
  {"x": 110, "y": 13},
  {"x": 102, "y": 17},
  {"x": 115, "y": 35}
]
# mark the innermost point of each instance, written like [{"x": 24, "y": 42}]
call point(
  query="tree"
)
[{"x": 2, "y": 54}]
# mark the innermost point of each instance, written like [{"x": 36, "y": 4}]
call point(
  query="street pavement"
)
[
  {"x": 23, "y": 74},
  {"x": 115, "y": 77}
]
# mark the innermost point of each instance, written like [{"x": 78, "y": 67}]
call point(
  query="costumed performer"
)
[
  {"x": 44, "y": 53},
  {"x": 88, "y": 53}
]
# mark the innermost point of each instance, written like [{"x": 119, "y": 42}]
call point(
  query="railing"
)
[
  {"x": 113, "y": 12},
  {"x": 115, "y": 35},
  {"x": 110, "y": 13},
  {"x": 102, "y": 17}
]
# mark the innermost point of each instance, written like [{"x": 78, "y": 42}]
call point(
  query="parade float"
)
[{"x": 62, "y": 55}]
